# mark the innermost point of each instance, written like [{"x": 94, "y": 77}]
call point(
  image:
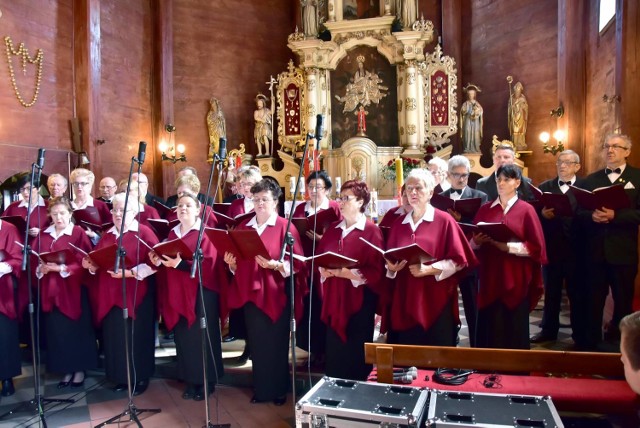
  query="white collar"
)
[
  {"x": 271, "y": 221},
  {"x": 359, "y": 224},
  {"x": 51, "y": 230},
  {"x": 24, "y": 202},
  {"x": 133, "y": 227},
  {"x": 510, "y": 202},
  {"x": 323, "y": 206},
  {"x": 89, "y": 203},
  {"x": 196, "y": 226},
  {"x": 429, "y": 214},
  {"x": 248, "y": 204},
  {"x": 401, "y": 210},
  {"x": 445, "y": 185}
]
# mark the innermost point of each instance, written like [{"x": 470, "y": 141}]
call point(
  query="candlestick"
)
[
  {"x": 292, "y": 185},
  {"x": 338, "y": 185}
]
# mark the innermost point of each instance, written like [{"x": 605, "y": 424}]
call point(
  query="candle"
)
[
  {"x": 292, "y": 185},
  {"x": 399, "y": 179},
  {"x": 338, "y": 185},
  {"x": 301, "y": 184}
]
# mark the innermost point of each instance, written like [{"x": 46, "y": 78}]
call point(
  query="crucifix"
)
[{"x": 272, "y": 82}]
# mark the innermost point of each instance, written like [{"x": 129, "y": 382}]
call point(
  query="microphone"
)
[
  {"x": 222, "y": 150},
  {"x": 318, "y": 134},
  {"x": 142, "y": 152},
  {"x": 39, "y": 167},
  {"x": 405, "y": 379}
]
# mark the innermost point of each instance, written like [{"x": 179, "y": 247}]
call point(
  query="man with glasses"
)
[
  {"x": 612, "y": 248},
  {"x": 563, "y": 245},
  {"x": 107, "y": 190},
  {"x": 459, "y": 169},
  {"x": 503, "y": 154}
]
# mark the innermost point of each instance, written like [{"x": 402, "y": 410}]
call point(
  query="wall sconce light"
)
[
  {"x": 559, "y": 136},
  {"x": 164, "y": 148},
  {"x": 83, "y": 159},
  {"x": 557, "y": 112}
]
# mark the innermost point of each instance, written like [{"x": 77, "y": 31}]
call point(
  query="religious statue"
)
[
  {"x": 309, "y": 17},
  {"x": 408, "y": 12},
  {"x": 217, "y": 127},
  {"x": 362, "y": 121},
  {"x": 471, "y": 121},
  {"x": 518, "y": 114},
  {"x": 364, "y": 89},
  {"x": 263, "y": 117}
]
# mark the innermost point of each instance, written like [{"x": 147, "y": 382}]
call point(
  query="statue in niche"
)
[
  {"x": 310, "y": 17},
  {"x": 364, "y": 89},
  {"x": 407, "y": 11},
  {"x": 217, "y": 127},
  {"x": 263, "y": 117},
  {"x": 471, "y": 121},
  {"x": 518, "y": 114}
]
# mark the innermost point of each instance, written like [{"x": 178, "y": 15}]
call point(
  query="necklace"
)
[{"x": 23, "y": 52}]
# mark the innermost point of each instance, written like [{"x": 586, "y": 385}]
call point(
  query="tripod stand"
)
[
  {"x": 132, "y": 411},
  {"x": 201, "y": 309},
  {"x": 37, "y": 403}
]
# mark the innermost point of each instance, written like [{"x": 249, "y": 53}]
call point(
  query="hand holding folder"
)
[
  {"x": 329, "y": 260},
  {"x": 413, "y": 254},
  {"x": 243, "y": 244}
]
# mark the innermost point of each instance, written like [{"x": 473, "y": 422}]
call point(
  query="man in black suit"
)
[
  {"x": 563, "y": 244},
  {"x": 143, "y": 188},
  {"x": 612, "y": 247},
  {"x": 504, "y": 154},
  {"x": 458, "y": 172},
  {"x": 107, "y": 190}
]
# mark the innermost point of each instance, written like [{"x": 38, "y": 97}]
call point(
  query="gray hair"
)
[
  {"x": 250, "y": 171},
  {"x": 438, "y": 162},
  {"x": 118, "y": 198},
  {"x": 421, "y": 174},
  {"x": 56, "y": 175},
  {"x": 458, "y": 161},
  {"x": 568, "y": 152},
  {"x": 623, "y": 137}
]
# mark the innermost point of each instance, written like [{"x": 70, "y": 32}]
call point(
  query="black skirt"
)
[
  {"x": 10, "y": 345},
  {"x": 71, "y": 345},
  {"x": 501, "y": 327},
  {"x": 189, "y": 343},
  {"x": 269, "y": 352},
  {"x": 311, "y": 326},
  {"x": 141, "y": 341},
  {"x": 346, "y": 359},
  {"x": 441, "y": 333}
]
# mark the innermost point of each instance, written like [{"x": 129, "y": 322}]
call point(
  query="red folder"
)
[
  {"x": 499, "y": 232},
  {"x": 172, "y": 248},
  {"x": 222, "y": 208},
  {"x": 320, "y": 220},
  {"x": 19, "y": 222},
  {"x": 224, "y": 221},
  {"x": 60, "y": 257},
  {"x": 243, "y": 244},
  {"x": 88, "y": 215},
  {"x": 105, "y": 258},
  {"x": 329, "y": 260},
  {"x": 163, "y": 210},
  {"x": 162, "y": 227},
  {"x": 96, "y": 227},
  {"x": 612, "y": 197},
  {"x": 465, "y": 207},
  {"x": 558, "y": 201},
  {"x": 413, "y": 253}
]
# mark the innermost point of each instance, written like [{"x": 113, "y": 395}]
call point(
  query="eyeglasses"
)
[
  {"x": 345, "y": 198},
  {"x": 25, "y": 189},
  {"x": 567, "y": 163},
  {"x": 614, "y": 146},
  {"x": 262, "y": 200},
  {"x": 119, "y": 211},
  {"x": 107, "y": 187},
  {"x": 418, "y": 189},
  {"x": 459, "y": 176},
  {"x": 79, "y": 184},
  {"x": 315, "y": 188}
]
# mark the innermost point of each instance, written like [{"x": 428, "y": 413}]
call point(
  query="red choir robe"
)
[
  {"x": 341, "y": 299},
  {"x": 212, "y": 220},
  {"x": 299, "y": 212},
  {"x": 391, "y": 216},
  {"x": 12, "y": 253},
  {"x": 236, "y": 208},
  {"x": 101, "y": 206},
  {"x": 39, "y": 216},
  {"x": 177, "y": 291},
  {"x": 148, "y": 213},
  {"x": 265, "y": 287},
  {"x": 420, "y": 301},
  {"x": 507, "y": 277},
  {"x": 105, "y": 291},
  {"x": 56, "y": 291}
]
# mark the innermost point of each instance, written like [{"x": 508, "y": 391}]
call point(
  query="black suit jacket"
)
[
  {"x": 488, "y": 185},
  {"x": 172, "y": 200},
  {"x": 106, "y": 201},
  {"x": 149, "y": 198},
  {"x": 561, "y": 234},
  {"x": 615, "y": 242},
  {"x": 468, "y": 193}
]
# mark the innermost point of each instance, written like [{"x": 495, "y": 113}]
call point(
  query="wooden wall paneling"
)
[
  {"x": 572, "y": 24},
  {"x": 452, "y": 46},
  {"x": 88, "y": 67},
  {"x": 627, "y": 72},
  {"x": 163, "y": 175}
]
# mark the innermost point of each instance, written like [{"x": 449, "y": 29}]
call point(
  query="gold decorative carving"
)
[
  {"x": 422, "y": 25},
  {"x": 401, "y": 130},
  {"x": 411, "y": 77},
  {"x": 23, "y": 53},
  {"x": 411, "y": 129},
  {"x": 411, "y": 104},
  {"x": 291, "y": 97},
  {"x": 264, "y": 168},
  {"x": 311, "y": 110},
  {"x": 296, "y": 36},
  {"x": 495, "y": 142},
  {"x": 399, "y": 106}
]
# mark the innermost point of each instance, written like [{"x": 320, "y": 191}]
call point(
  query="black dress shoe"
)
[
  {"x": 280, "y": 401},
  {"x": 228, "y": 339},
  {"x": 8, "y": 388},
  {"x": 542, "y": 337},
  {"x": 77, "y": 384},
  {"x": 189, "y": 392},
  {"x": 120, "y": 387},
  {"x": 141, "y": 387},
  {"x": 236, "y": 361},
  {"x": 199, "y": 395}
]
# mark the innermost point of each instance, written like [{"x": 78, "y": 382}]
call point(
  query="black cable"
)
[{"x": 445, "y": 376}]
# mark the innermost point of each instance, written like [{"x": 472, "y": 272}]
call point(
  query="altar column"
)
[
  {"x": 337, "y": 4},
  {"x": 313, "y": 107},
  {"x": 411, "y": 106},
  {"x": 401, "y": 97},
  {"x": 421, "y": 106},
  {"x": 324, "y": 105},
  {"x": 331, "y": 7}
]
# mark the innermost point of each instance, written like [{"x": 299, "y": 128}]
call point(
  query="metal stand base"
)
[
  {"x": 36, "y": 405},
  {"x": 132, "y": 412}
]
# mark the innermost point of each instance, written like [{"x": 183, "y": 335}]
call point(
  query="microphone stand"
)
[
  {"x": 289, "y": 241},
  {"x": 132, "y": 411},
  {"x": 38, "y": 401},
  {"x": 202, "y": 312}
]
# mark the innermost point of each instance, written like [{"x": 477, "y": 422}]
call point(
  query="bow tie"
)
[
  {"x": 458, "y": 191},
  {"x": 564, "y": 183},
  {"x": 611, "y": 171}
]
